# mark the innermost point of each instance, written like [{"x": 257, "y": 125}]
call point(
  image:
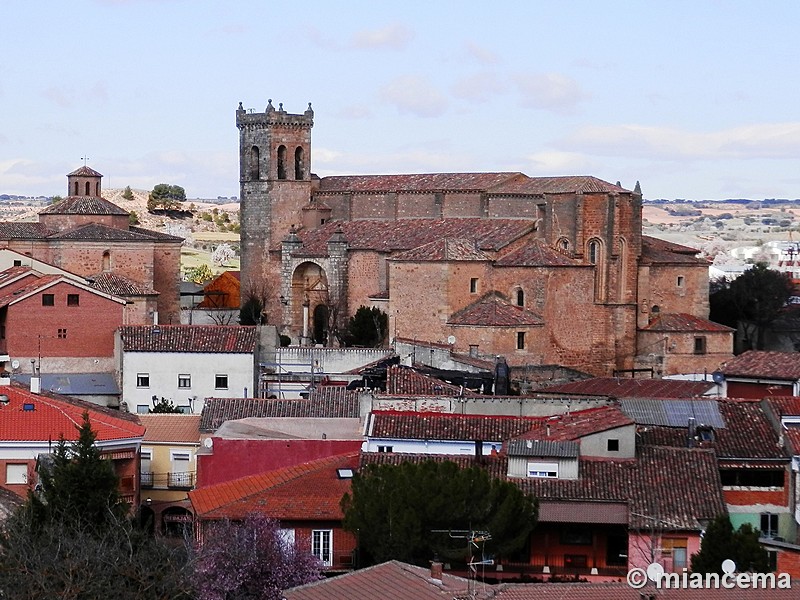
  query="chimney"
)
[
  {"x": 691, "y": 433},
  {"x": 36, "y": 381},
  {"x": 436, "y": 570}
]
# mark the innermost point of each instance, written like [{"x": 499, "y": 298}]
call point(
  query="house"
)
[
  {"x": 56, "y": 323},
  {"x": 92, "y": 237},
  {"x": 784, "y": 414},
  {"x": 168, "y": 470},
  {"x": 303, "y": 497},
  {"x": 246, "y": 436},
  {"x": 222, "y": 292},
  {"x": 627, "y": 387},
  {"x": 493, "y": 263},
  {"x": 31, "y": 423},
  {"x": 185, "y": 363},
  {"x": 759, "y": 374}
]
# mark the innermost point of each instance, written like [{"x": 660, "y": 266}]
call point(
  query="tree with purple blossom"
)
[{"x": 250, "y": 559}]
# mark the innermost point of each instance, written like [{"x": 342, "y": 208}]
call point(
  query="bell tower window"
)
[
  {"x": 281, "y": 162},
  {"x": 88, "y": 189},
  {"x": 298, "y": 163},
  {"x": 255, "y": 169},
  {"x": 76, "y": 188}
]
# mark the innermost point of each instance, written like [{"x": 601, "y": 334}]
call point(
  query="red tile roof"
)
[
  {"x": 784, "y": 406},
  {"x": 446, "y": 426},
  {"x": 233, "y": 339},
  {"x": 575, "y": 425},
  {"x": 53, "y": 416},
  {"x": 333, "y": 401},
  {"x": 167, "y": 428},
  {"x": 309, "y": 492},
  {"x": 421, "y": 182},
  {"x": 406, "y": 234},
  {"x": 535, "y": 254},
  {"x": 84, "y": 205},
  {"x": 112, "y": 283},
  {"x": 570, "y": 184},
  {"x": 390, "y": 580},
  {"x": 402, "y": 380},
  {"x": 622, "y": 591},
  {"x": 100, "y": 232},
  {"x": 684, "y": 322},
  {"x": 84, "y": 171},
  {"x": 657, "y": 251},
  {"x": 447, "y": 249},
  {"x": 621, "y": 387},
  {"x": 494, "y": 310},
  {"x": 23, "y": 231},
  {"x": 783, "y": 366}
]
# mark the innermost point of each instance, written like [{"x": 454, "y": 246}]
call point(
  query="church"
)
[{"x": 539, "y": 270}]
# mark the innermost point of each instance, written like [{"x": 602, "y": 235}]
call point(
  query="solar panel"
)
[{"x": 673, "y": 413}]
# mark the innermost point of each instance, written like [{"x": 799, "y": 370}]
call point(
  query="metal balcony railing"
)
[{"x": 175, "y": 481}]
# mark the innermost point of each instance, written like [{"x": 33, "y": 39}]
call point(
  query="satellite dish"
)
[
  {"x": 451, "y": 339},
  {"x": 15, "y": 364},
  {"x": 718, "y": 377},
  {"x": 208, "y": 442},
  {"x": 728, "y": 566}
]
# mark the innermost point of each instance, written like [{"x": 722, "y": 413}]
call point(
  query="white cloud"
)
[
  {"x": 414, "y": 95},
  {"x": 552, "y": 92},
  {"x": 766, "y": 140},
  {"x": 60, "y": 96},
  {"x": 395, "y": 35},
  {"x": 478, "y": 87},
  {"x": 481, "y": 54}
]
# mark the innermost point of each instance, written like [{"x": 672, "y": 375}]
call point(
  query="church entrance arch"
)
[{"x": 310, "y": 303}]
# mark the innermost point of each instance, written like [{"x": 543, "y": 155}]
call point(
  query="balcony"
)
[
  {"x": 180, "y": 481},
  {"x": 172, "y": 481},
  {"x": 146, "y": 479}
]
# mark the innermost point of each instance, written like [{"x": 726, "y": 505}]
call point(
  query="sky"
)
[{"x": 694, "y": 99}]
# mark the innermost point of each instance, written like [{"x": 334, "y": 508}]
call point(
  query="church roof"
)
[
  {"x": 493, "y": 310},
  {"x": 84, "y": 171},
  {"x": 97, "y": 231},
  {"x": 497, "y": 183},
  {"x": 446, "y": 249},
  {"x": 10, "y": 230},
  {"x": 684, "y": 322},
  {"x": 535, "y": 254},
  {"x": 112, "y": 283},
  {"x": 406, "y": 234},
  {"x": 659, "y": 251},
  {"x": 84, "y": 205}
]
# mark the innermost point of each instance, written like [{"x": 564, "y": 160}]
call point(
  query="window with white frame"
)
[
  {"x": 180, "y": 474},
  {"x": 16, "y": 473},
  {"x": 287, "y": 538},
  {"x": 322, "y": 545},
  {"x": 145, "y": 467},
  {"x": 220, "y": 382},
  {"x": 547, "y": 470},
  {"x": 142, "y": 409},
  {"x": 769, "y": 525},
  {"x": 143, "y": 380},
  {"x": 184, "y": 380}
]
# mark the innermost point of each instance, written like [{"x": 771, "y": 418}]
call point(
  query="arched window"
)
[
  {"x": 656, "y": 309},
  {"x": 87, "y": 189},
  {"x": 623, "y": 270},
  {"x": 97, "y": 189},
  {"x": 595, "y": 256},
  {"x": 76, "y": 188},
  {"x": 106, "y": 261},
  {"x": 255, "y": 168},
  {"x": 520, "y": 297},
  {"x": 563, "y": 245},
  {"x": 298, "y": 163},
  {"x": 594, "y": 251},
  {"x": 281, "y": 162}
]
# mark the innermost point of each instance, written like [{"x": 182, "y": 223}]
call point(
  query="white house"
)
[{"x": 186, "y": 364}]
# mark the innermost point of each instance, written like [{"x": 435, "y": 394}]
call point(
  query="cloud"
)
[
  {"x": 481, "y": 54},
  {"x": 395, "y": 35},
  {"x": 59, "y": 96},
  {"x": 478, "y": 87},
  {"x": 552, "y": 92},
  {"x": 765, "y": 140},
  {"x": 549, "y": 162},
  {"x": 414, "y": 95}
]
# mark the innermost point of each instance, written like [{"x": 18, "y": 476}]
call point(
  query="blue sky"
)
[{"x": 695, "y": 99}]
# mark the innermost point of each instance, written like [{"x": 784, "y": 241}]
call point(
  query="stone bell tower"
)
[{"x": 275, "y": 184}]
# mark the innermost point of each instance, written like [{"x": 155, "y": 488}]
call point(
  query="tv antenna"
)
[{"x": 475, "y": 540}]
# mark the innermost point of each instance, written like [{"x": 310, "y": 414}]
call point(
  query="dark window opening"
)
[
  {"x": 255, "y": 169},
  {"x": 48, "y": 300},
  {"x": 88, "y": 192},
  {"x": 298, "y": 163},
  {"x": 520, "y": 340},
  {"x": 221, "y": 382},
  {"x": 97, "y": 189},
  {"x": 62, "y": 334},
  {"x": 700, "y": 345},
  {"x": 593, "y": 252},
  {"x": 520, "y": 298},
  {"x": 473, "y": 285},
  {"x": 752, "y": 477},
  {"x": 576, "y": 536},
  {"x": 76, "y": 188},
  {"x": 73, "y": 299},
  {"x": 613, "y": 445},
  {"x": 769, "y": 525},
  {"x": 17, "y": 263},
  {"x": 281, "y": 162}
]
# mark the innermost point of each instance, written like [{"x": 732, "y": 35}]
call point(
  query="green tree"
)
[
  {"x": 755, "y": 300},
  {"x": 721, "y": 542},
  {"x": 162, "y": 405},
  {"x": 127, "y": 193},
  {"x": 133, "y": 218},
  {"x": 56, "y": 199},
  {"x": 404, "y": 511},
  {"x": 168, "y": 197},
  {"x": 368, "y": 327},
  {"x": 199, "y": 274}
]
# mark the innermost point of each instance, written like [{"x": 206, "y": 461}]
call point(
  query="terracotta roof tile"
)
[
  {"x": 326, "y": 401},
  {"x": 171, "y": 428},
  {"x": 84, "y": 205},
  {"x": 406, "y": 234},
  {"x": 570, "y": 184},
  {"x": 53, "y": 416},
  {"x": 402, "y": 380},
  {"x": 622, "y": 591},
  {"x": 535, "y": 254},
  {"x": 421, "y": 182},
  {"x": 446, "y": 426},
  {"x": 494, "y": 310},
  {"x": 100, "y": 232},
  {"x": 84, "y": 171},
  {"x": 657, "y": 251},
  {"x": 232, "y": 339},
  {"x": 310, "y": 491},
  {"x": 113, "y": 283},
  {"x": 10, "y": 230},
  {"x": 446, "y": 249},
  {"x": 621, "y": 387},
  {"x": 684, "y": 322},
  {"x": 784, "y": 366}
]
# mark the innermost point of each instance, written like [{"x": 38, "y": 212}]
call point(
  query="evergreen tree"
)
[
  {"x": 162, "y": 405},
  {"x": 721, "y": 542},
  {"x": 127, "y": 193},
  {"x": 368, "y": 327}
]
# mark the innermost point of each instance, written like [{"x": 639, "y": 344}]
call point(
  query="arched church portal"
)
[{"x": 310, "y": 304}]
